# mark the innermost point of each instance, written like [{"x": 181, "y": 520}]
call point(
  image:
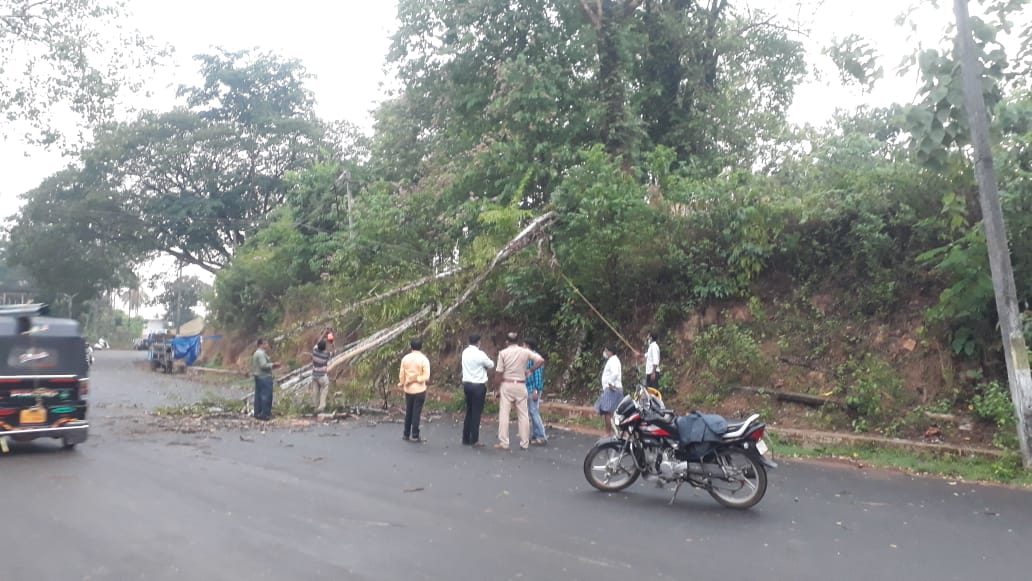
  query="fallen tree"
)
[
  {"x": 519, "y": 242},
  {"x": 364, "y": 303},
  {"x": 300, "y": 377}
]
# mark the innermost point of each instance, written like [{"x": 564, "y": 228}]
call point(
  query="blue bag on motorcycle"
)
[{"x": 697, "y": 430}]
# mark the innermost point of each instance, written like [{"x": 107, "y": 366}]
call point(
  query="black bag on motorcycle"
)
[{"x": 697, "y": 432}]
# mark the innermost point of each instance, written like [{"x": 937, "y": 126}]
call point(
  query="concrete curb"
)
[
  {"x": 815, "y": 439},
  {"x": 213, "y": 371},
  {"x": 805, "y": 438}
]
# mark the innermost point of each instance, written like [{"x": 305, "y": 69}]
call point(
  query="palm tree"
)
[{"x": 134, "y": 298}]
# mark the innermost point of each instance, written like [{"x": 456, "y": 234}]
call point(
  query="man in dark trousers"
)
[
  {"x": 320, "y": 380},
  {"x": 475, "y": 364},
  {"x": 651, "y": 361},
  {"x": 261, "y": 368},
  {"x": 414, "y": 373}
]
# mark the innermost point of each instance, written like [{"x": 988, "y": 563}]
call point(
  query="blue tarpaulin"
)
[{"x": 188, "y": 348}]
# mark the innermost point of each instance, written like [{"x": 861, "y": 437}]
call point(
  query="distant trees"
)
[
  {"x": 179, "y": 298},
  {"x": 192, "y": 183}
]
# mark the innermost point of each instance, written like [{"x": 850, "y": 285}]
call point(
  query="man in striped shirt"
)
[{"x": 320, "y": 380}]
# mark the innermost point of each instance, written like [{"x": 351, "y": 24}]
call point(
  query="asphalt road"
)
[{"x": 352, "y": 501}]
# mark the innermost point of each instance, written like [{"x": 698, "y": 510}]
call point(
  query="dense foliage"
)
[{"x": 656, "y": 131}]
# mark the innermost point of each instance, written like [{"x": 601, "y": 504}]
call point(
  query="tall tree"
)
[
  {"x": 195, "y": 182},
  {"x": 134, "y": 298},
  {"x": 499, "y": 101},
  {"x": 54, "y": 240}
]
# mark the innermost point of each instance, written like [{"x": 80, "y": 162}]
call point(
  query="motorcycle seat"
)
[{"x": 737, "y": 429}]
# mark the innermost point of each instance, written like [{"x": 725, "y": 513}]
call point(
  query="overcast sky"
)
[{"x": 343, "y": 43}]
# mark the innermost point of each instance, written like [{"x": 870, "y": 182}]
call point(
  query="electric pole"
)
[
  {"x": 347, "y": 185},
  {"x": 345, "y": 177},
  {"x": 178, "y": 289},
  {"x": 69, "y": 298},
  {"x": 1014, "y": 349}
]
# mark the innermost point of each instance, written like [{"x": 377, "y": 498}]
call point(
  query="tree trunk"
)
[
  {"x": 611, "y": 19},
  {"x": 578, "y": 346},
  {"x": 366, "y": 302},
  {"x": 519, "y": 242}
]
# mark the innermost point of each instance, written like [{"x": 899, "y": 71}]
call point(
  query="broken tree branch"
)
[
  {"x": 519, "y": 242},
  {"x": 300, "y": 377},
  {"x": 366, "y": 302}
]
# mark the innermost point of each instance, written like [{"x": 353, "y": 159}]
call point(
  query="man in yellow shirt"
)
[{"x": 415, "y": 372}]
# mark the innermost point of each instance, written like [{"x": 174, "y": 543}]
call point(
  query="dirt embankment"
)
[{"x": 807, "y": 344}]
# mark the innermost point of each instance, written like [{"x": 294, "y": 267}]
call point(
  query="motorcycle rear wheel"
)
[
  {"x": 745, "y": 482},
  {"x": 610, "y": 468}
]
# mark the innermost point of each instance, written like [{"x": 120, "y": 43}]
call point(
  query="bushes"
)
[
  {"x": 992, "y": 404},
  {"x": 872, "y": 389},
  {"x": 729, "y": 354},
  {"x": 249, "y": 292}
]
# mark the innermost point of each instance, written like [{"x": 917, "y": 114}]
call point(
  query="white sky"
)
[{"x": 344, "y": 42}]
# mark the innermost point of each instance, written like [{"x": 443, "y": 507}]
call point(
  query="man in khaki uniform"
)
[{"x": 513, "y": 367}]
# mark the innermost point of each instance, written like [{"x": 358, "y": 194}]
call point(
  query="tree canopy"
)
[
  {"x": 60, "y": 57},
  {"x": 656, "y": 132}
]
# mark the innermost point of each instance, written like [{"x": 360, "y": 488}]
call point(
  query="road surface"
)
[{"x": 352, "y": 501}]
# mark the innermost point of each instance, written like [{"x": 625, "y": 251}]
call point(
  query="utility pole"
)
[
  {"x": 347, "y": 185},
  {"x": 345, "y": 177},
  {"x": 1014, "y": 349},
  {"x": 178, "y": 284},
  {"x": 69, "y": 298}
]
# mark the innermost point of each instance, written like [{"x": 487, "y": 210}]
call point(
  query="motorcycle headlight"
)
[{"x": 617, "y": 418}]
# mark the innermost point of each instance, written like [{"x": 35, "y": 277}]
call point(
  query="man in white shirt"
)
[
  {"x": 612, "y": 386},
  {"x": 475, "y": 364},
  {"x": 652, "y": 362}
]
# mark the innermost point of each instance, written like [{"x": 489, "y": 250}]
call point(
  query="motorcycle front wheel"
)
[
  {"x": 610, "y": 467},
  {"x": 737, "y": 480}
]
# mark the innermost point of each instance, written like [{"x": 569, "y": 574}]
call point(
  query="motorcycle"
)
[
  {"x": 89, "y": 356},
  {"x": 727, "y": 460}
]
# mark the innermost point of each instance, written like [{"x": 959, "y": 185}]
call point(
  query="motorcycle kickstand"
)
[{"x": 676, "y": 490}]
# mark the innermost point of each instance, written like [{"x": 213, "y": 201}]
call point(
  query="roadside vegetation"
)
[
  {"x": 1005, "y": 470},
  {"x": 844, "y": 261}
]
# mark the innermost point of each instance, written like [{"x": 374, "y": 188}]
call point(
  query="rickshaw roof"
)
[{"x": 39, "y": 326}]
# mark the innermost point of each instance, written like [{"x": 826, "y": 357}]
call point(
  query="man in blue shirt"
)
[{"x": 535, "y": 389}]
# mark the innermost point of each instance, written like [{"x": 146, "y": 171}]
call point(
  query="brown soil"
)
[{"x": 821, "y": 340}]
